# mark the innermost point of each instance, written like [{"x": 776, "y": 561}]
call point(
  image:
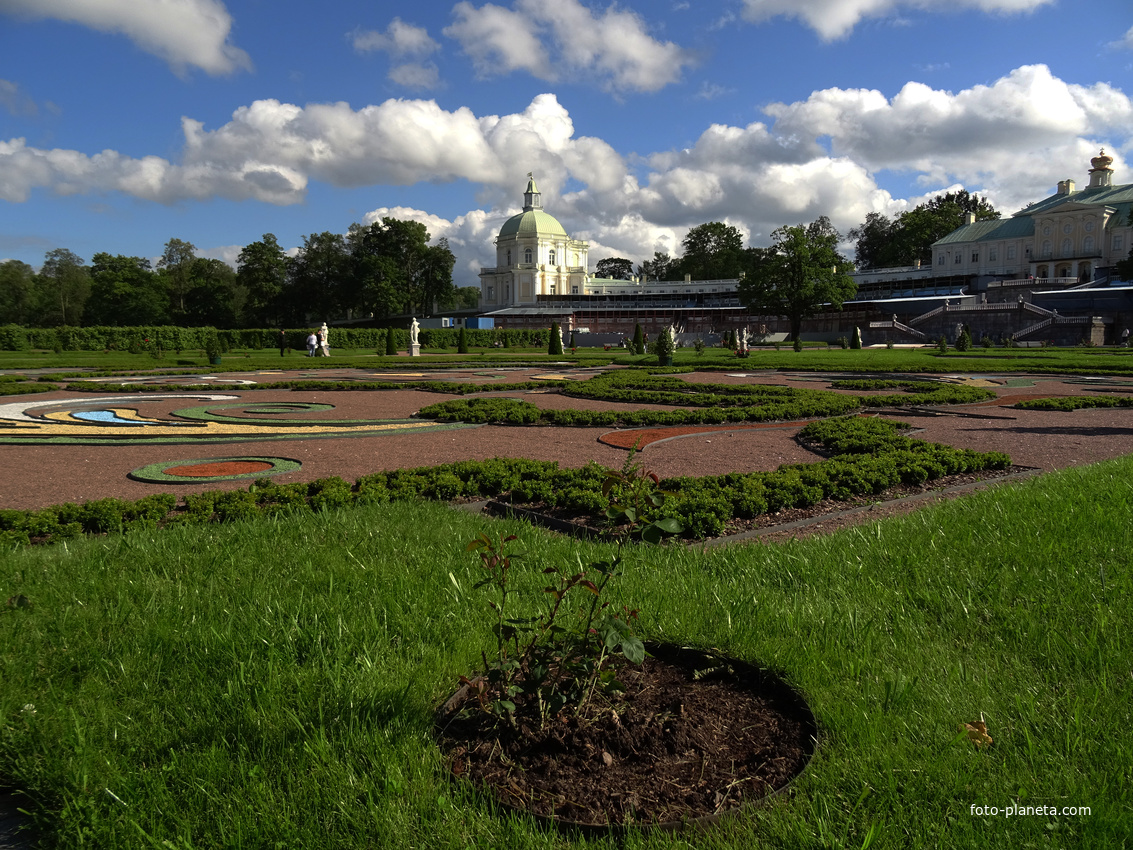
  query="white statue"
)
[
  {"x": 413, "y": 329},
  {"x": 743, "y": 339},
  {"x": 324, "y": 340}
]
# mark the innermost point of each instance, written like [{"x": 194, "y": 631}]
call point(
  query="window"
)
[
  {"x": 552, "y": 256},
  {"x": 1118, "y": 243},
  {"x": 958, "y": 257},
  {"x": 1011, "y": 252},
  {"x": 509, "y": 256},
  {"x": 940, "y": 260},
  {"x": 1067, "y": 228},
  {"x": 574, "y": 290},
  {"x": 975, "y": 256},
  {"x": 527, "y": 255},
  {"x": 1088, "y": 244},
  {"x": 552, "y": 289},
  {"x": 491, "y": 293},
  {"x": 993, "y": 255},
  {"x": 1046, "y": 247},
  {"x": 1067, "y": 246}
]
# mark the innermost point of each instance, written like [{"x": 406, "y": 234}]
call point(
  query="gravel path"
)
[{"x": 37, "y": 476}]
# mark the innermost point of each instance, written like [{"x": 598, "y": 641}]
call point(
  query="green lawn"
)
[
  {"x": 813, "y": 358},
  {"x": 271, "y": 683}
]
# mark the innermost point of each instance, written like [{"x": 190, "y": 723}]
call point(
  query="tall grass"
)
[{"x": 272, "y": 683}]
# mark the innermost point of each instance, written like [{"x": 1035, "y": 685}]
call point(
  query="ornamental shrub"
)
[
  {"x": 555, "y": 344},
  {"x": 638, "y": 339}
]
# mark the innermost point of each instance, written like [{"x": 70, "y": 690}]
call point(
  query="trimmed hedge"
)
[
  {"x": 1075, "y": 402},
  {"x": 170, "y": 338},
  {"x": 867, "y": 457}
]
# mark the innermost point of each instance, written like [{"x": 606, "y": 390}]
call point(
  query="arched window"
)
[
  {"x": 527, "y": 255},
  {"x": 509, "y": 256},
  {"x": 1088, "y": 244},
  {"x": 1067, "y": 246},
  {"x": 552, "y": 256}
]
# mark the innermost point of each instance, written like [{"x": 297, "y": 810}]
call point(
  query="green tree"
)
[
  {"x": 614, "y": 268},
  {"x": 176, "y": 267},
  {"x": 1124, "y": 268},
  {"x": 638, "y": 339},
  {"x": 882, "y": 243},
  {"x": 555, "y": 343},
  {"x": 262, "y": 273},
  {"x": 396, "y": 270},
  {"x": 463, "y": 298},
  {"x": 64, "y": 287},
  {"x": 800, "y": 274},
  {"x": 391, "y": 342},
  {"x": 125, "y": 291},
  {"x": 661, "y": 267},
  {"x": 318, "y": 278},
  {"x": 713, "y": 251},
  {"x": 17, "y": 294},
  {"x": 214, "y": 297},
  {"x": 874, "y": 242}
]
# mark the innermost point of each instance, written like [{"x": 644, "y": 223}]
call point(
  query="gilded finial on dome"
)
[{"x": 1102, "y": 161}]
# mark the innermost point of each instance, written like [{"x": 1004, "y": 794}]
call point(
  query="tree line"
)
[
  {"x": 381, "y": 269},
  {"x": 802, "y": 271}
]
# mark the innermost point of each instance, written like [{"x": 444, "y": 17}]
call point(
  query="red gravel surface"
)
[{"x": 36, "y": 476}]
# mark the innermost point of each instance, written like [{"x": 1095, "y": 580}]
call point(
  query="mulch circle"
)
[
  {"x": 207, "y": 470},
  {"x": 695, "y": 737},
  {"x": 642, "y": 437}
]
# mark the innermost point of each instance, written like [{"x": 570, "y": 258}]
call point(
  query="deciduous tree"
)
[
  {"x": 176, "y": 266},
  {"x": 262, "y": 272},
  {"x": 125, "y": 291},
  {"x": 614, "y": 268},
  {"x": 17, "y": 294},
  {"x": 713, "y": 251},
  {"x": 65, "y": 286},
  {"x": 800, "y": 274}
]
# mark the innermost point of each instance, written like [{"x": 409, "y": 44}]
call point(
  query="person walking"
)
[
  {"x": 282, "y": 342},
  {"x": 312, "y": 344}
]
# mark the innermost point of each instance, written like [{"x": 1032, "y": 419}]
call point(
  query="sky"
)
[{"x": 127, "y": 123}]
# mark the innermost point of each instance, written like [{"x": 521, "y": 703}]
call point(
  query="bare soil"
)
[{"x": 693, "y": 736}]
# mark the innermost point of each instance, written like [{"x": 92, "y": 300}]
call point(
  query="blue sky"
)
[{"x": 125, "y": 123}]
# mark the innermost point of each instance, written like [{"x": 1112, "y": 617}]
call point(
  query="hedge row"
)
[
  {"x": 447, "y": 387},
  {"x": 508, "y": 411},
  {"x": 868, "y": 456},
  {"x": 1075, "y": 402},
  {"x": 170, "y": 338}
]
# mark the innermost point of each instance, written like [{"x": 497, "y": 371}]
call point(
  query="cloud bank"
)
[
  {"x": 829, "y": 154},
  {"x": 184, "y": 33},
  {"x": 834, "y": 19}
]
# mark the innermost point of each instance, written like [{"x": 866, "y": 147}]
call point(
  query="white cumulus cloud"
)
[
  {"x": 567, "y": 39},
  {"x": 184, "y": 33},
  {"x": 399, "y": 39},
  {"x": 835, "y": 153},
  {"x": 833, "y": 19}
]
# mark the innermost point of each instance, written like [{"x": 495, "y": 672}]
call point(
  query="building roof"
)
[
  {"x": 1016, "y": 227},
  {"x": 532, "y": 222}
]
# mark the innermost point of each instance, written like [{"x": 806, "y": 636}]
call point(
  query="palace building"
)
[{"x": 1046, "y": 272}]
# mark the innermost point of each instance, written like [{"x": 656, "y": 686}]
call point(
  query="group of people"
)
[{"x": 317, "y": 342}]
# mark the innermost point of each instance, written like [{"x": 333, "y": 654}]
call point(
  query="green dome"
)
[{"x": 532, "y": 223}]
